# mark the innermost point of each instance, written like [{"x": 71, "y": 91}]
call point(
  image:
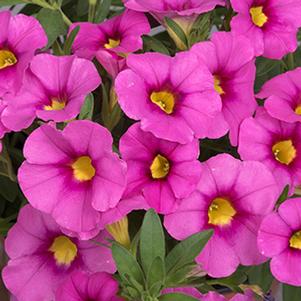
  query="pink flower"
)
[
  {"x": 82, "y": 287},
  {"x": 20, "y": 37},
  {"x": 171, "y": 8},
  {"x": 3, "y": 128},
  {"x": 212, "y": 296},
  {"x": 42, "y": 257},
  {"x": 111, "y": 40},
  {"x": 283, "y": 94},
  {"x": 173, "y": 97},
  {"x": 271, "y": 25},
  {"x": 164, "y": 172},
  {"x": 54, "y": 88},
  {"x": 232, "y": 198},
  {"x": 280, "y": 239},
  {"x": 275, "y": 143},
  {"x": 72, "y": 174},
  {"x": 231, "y": 61}
]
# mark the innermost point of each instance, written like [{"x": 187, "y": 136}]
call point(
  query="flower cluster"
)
[{"x": 195, "y": 144}]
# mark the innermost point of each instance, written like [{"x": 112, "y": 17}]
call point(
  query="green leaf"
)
[
  {"x": 283, "y": 196},
  {"x": 53, "y": 24},
  {"x": 10, "y": 2},
  {"x": 176, "y": 297},
  {"x": 291, "y": 293},
  {"x": 86, "y": 111},
  {"x": 177, "y": 30},
  {"x": 70, "y": 40},
  {"x": 201, "y": 29},
  {"x": 152, "y": 240},
  {"x": 151, "y": 43},
  {"x": 102, "y": 10},
  {"x": 9, "y": 189},
  {"x": 126, "y": 263},
  {"x": 185, "y": 252},
  {"x": 156, "y": 276}
]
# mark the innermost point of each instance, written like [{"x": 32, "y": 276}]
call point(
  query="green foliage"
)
[
  {"x": 87, "y": 108},
  {"x": 145, "y": 275},
  {"x": 176, "y": 297},
  {"x": 291, "y": 293}
]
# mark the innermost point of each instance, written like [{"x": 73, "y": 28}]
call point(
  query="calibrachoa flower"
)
[
  {"x": 283, "y": 94},
  {"x": 165, "y": 172},
  {"x": 275, "y": 143},
  {"x": 280, "y": 239},
  {"x": 183, "y": 12},
  {"x": 54, "y": 88},
  {"x": 20, "y": 37},
  {"x": 232, "y": 199},
  {"x": 72, "y": 174},
  {"x": 231, "y": 61},
  {"x": 83, "y": 287},
  {"x": 270, "y": 25},
  {"x": 42, "y": 257},
  {"x": 173, "y": 97},
  {"x": 111, "y": 40}
]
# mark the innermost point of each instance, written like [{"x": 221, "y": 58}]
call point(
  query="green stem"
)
[
  {"x": 92, "y": 10},
  {"x": 65, "y": 18}
]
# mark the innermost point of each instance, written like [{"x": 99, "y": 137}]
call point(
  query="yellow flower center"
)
[
  {"x": 112, "y": 43},
  {"x": 258, "y": 16},
  {"x": 83, "y": 169},
  {"x": 7, "y": 58},
  {"x": 164, "y": 100},
  {"x": 56, "y": 105},
  {"x": 64, "y": 250},
  {"x": 120, "y": 232},
  {"x": 295, "y": 241},
  {"x": 298, "y": 110},
  {"x": 284, "y": 151},
  {"x": 217, "y": 85},
  {"x": 220, "y": 212},
  {"x": 160, "y": 167}
]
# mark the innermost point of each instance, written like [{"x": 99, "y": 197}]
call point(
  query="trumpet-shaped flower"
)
[
  {"x": 171, "y": 9},
  {"x": 21, "y": 36},
  {"x": 231, "y": 61},
  {"x": 54, "y": 89},
  {"x": 173, "y": 97},
  {"x": 82, "y": 287},
  {"x": 274, "y": 143},
  {"x": 283, "y": 96},
  {"x": 232, "y": 198},
  {"x": 72, "y": 174},
  {"x": 42, "y": 257},
  {"x": 164, "y": 172},
  {"x": 280, "y": 239},
  {"x": 270, "y": 25},
  {"x": 111, "y": 40}
]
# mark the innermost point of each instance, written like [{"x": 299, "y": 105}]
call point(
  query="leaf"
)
[
  {"x": 176, "y": 297},
  {"x": 185, "y": 252},
  {"x": 261, "y": 275},
  {"x": 201, "y": 29},
  {"x": 87, "y": 109},
  {"x": 291, "y": 293},
  {"x": 152, "y": 240},
  {"x": 102, "y": 11},
  {"x": 283, "y": 196},
  {"x": 126, "y": 263},
  {"x": 10, "y": 2},
  {"x": 53, "y": 24},
  {"x": 156, "y": 276},
  {"x": 177, "y": 30},
  {"x": 70, "y": 40},
  {"x": 9, "y": 189},
  {"x": 151, "y": 43}
]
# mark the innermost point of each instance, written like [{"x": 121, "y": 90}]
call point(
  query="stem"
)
[
  {"x": 92, "y": 10},
  {"x": 65, "y": 18},
  {"x": 228, "y": 18}
]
